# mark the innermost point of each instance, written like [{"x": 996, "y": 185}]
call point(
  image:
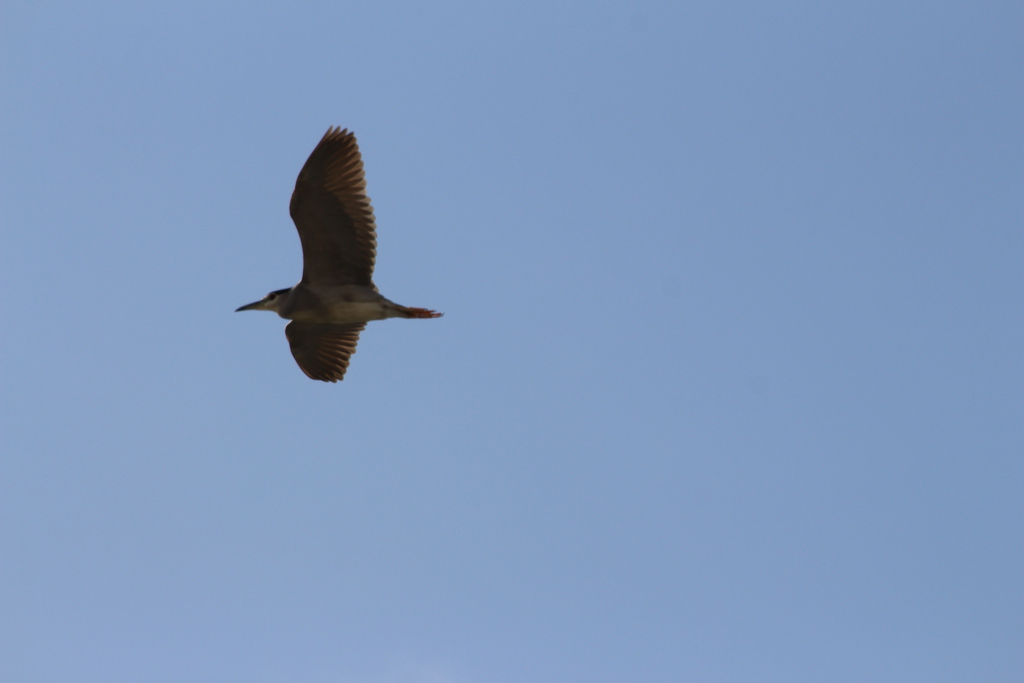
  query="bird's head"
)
[{"x": 271, "y": 302}]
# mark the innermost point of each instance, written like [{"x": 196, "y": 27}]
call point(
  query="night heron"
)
[{"x": 336, "y": 296}]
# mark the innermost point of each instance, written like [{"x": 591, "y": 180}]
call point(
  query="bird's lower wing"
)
[{"x": 322, "y": 350}]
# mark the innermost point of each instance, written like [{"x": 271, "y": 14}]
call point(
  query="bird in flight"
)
[{"x": 336, "y": 296}]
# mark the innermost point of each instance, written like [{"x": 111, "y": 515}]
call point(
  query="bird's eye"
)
[{"x": 271, "y": 296}]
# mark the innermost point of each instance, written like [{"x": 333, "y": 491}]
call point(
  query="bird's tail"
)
[{"x": 410, "y": 312}]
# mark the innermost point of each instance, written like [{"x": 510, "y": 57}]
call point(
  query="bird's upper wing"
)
[
  {"x": 333, "y": 214},
  {"x": 323, "y": 350}
]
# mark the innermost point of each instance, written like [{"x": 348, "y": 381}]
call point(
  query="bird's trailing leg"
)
[{"x": 410, "y": 312}]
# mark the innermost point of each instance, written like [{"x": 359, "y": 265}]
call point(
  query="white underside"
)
[{"x": 353, "y": 312}]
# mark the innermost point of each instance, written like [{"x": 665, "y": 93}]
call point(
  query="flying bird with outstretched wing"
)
[{"x": 336, "y": 296}]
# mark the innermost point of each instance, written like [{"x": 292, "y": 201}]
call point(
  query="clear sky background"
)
[{"x": 730, "y": 384}]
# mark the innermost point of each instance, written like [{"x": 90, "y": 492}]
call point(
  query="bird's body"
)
[
  {"x": 338, "y": 304},
  {"x": 336, "y": 296}
]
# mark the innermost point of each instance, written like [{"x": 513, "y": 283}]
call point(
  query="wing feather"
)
[
  {"x": 323, "y": 350},
  {"x": 333, "y": 215}
]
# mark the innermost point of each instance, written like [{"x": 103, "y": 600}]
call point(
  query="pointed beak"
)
[{"x": 255, "y": 305}]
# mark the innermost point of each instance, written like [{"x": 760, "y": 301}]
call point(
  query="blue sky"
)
[{"x": 729, "y": 385}]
